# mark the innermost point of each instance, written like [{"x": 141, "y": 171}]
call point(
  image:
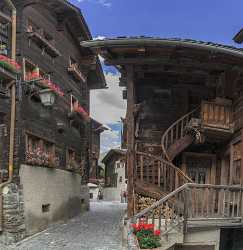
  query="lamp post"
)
[{"x": 47, "y": 97}]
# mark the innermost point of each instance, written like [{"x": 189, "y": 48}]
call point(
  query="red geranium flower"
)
[{"x": 157, "y": 232}]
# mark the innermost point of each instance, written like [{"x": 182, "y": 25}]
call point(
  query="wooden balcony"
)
[
  {"x": 76, "y": 73},
  {"x": 43, "y": 43},
  {"x": 217, "y": 118},
  {"x": 4, "y": 18}
]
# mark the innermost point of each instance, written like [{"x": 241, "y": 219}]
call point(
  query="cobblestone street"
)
[{"x": 98, "y": 229}]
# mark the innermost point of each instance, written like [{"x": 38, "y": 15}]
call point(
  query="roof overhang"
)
[
  {"x": 195, "y": 60},
  {"x": 113, "y": 153}
]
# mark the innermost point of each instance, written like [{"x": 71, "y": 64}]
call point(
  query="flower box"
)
[
  {"x": 43, "y": 83},
  {"x": 146, "y": 236},
  {"x": 77, "y": 74},
  {"x": 82, "y": 112},
  {"x": 38, "y": 157},
  {"x": 9, "y": 64}
]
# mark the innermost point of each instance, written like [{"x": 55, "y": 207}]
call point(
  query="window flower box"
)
[
  {"x": 38, "y": 157},
  {"x": 9, "y": 65},
  {"x": 81, "y": 111},
  {"x": 43, "y": 83}
]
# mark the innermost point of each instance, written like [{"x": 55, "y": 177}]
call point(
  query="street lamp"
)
[{"x": 47, "y": 97}]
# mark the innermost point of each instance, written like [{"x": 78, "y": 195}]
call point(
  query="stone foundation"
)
[
  {"x": 85, "y": 205},
  {"x": 13, "y": 214}
]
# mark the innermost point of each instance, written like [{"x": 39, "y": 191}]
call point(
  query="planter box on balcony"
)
[
  {"x": 7, "y": 72},
  {"x": 76, "y": 73}
]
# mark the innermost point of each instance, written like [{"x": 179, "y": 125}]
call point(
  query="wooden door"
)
[{"x": 200, "y": 167}]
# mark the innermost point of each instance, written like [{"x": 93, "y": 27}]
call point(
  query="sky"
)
[{"x": 207, "y": 20}]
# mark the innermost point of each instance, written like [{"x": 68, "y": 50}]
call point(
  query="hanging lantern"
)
[{"x": 47, "y": 97}]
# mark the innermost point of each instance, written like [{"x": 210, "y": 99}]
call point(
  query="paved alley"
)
[{"x": 98, "y": 229}]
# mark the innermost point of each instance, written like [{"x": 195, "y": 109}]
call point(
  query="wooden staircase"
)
[{"x": 178, "y": 197}]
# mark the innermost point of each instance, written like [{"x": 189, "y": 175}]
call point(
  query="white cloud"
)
[
  {"x": 99, "y": 38},
  {"x": 107, "y": 105},
  {"x": 110, "y": 139},
  {"x": 104, "y": 3}
]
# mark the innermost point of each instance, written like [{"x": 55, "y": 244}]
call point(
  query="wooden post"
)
[
  {"x": 241, "y": 157},
  {"x": 130, "y": 140},
  {"x": 231, "y": 163}
]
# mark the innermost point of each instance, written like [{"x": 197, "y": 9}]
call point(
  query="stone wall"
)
[
  {"x": 13, "y": 214},
  {"x": 85, "y": 205},
  {"x": 50, "y": 195}
]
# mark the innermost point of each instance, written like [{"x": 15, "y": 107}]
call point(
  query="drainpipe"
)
[{"x": 13, "y": 111}]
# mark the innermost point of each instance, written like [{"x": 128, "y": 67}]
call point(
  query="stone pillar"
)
[{"x": 13, "y": 214}]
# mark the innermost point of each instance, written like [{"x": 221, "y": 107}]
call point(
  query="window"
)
[
  {"x": 91, "y": 196},
  {"x": 32, "y": 71},
  {"x": 4, "y": 39},
  {"x": 40, "y": 152},
  {"x": 237, "y": 172},
  {"x": 120, "y": 179},
  {"x": 45, "y": 208}
]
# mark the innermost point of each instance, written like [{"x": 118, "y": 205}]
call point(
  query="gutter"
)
[{"x": 13, "y": 111}]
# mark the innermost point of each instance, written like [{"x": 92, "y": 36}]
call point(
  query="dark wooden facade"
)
[{"x": 48, "y": 36}]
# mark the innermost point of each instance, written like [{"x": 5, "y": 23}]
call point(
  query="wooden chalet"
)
[
  {"x": 184, "y": 136},
  {"x": 45, "y": 127}
]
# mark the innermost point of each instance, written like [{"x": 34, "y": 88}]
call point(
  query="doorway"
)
[{"x": 201, "y": 168}]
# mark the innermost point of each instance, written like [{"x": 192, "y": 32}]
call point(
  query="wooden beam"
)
[
  {"x": 130, "y": 139},
  {"x": 185, "y": 62}
]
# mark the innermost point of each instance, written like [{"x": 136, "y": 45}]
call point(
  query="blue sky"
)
[{"x": 208, "y": 20}]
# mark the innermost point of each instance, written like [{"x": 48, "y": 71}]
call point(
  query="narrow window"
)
[{"x": 45, "y": 208}]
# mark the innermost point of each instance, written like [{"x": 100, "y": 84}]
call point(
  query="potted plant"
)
[{"x": 147, "y": 236}]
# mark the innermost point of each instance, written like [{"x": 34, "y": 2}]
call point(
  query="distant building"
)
[
  {"x": 93, "y": 191},
  {"x": 115, "y": 175},
  {"x": 95, "y": 169}
]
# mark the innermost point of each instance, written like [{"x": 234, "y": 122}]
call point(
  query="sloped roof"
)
[
  {"x": 157, "y": 41},
  {"x": 112, "y": 153}
]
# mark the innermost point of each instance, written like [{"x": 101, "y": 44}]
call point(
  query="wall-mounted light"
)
[{"x": 47, "y": 97}]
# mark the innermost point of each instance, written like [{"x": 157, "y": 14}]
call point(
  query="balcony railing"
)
[
  {"x": 75, "y": 71},
  {"x": 43, "y": 43},
  {"x": 8, "y": 68},
  {"x": 217, "y": 115}
]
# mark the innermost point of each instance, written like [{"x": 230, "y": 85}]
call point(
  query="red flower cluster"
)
[
  {"x": 78, "y": 108},
  {"x": 9, "y": 63},
  {"x": 144, "y": 226},
  {"x": 52, "y": 86},
  {"x": 45, "y": 82}
]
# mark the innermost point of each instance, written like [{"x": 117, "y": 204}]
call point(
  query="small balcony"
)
[
  {"x": 8, "y": 68},
  {"x": 217, "y": 118},
  {"x": 43, "y": 43},
  {"x": 74, "y": 70}
]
